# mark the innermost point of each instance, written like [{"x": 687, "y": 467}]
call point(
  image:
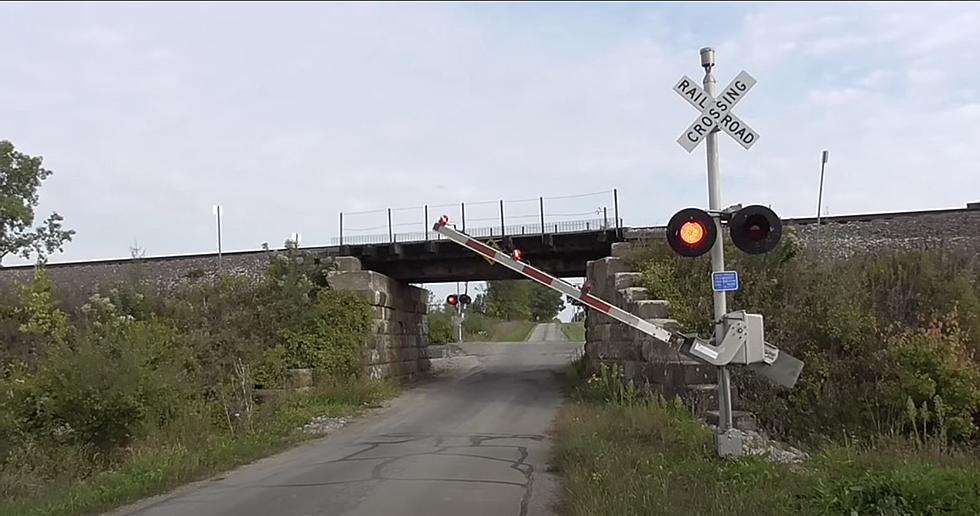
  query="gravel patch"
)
[{"x": 323, "y": 425}]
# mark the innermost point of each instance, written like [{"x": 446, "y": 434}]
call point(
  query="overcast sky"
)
[{"x": 286, "y": 114}]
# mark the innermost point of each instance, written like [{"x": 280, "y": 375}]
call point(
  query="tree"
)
[
  {"x": 20, "y": 177},
  {"x": 520, "y": 300},
  {"x": 545, "y": 304}
]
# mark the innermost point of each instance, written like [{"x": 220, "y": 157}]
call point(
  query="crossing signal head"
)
[
  {"x": 452, "y": 299},
  {"x": 755, "y": 229},
  {"x": 464, "y": 299},
  {"x": 691, "y": 232}
]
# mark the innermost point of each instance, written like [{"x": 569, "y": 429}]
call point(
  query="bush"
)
[
  {"x": 107, "y": 389},
  {"x": 440, "y": 327},
  {"x": 874, "y": 332},
  {"x": 333, "y": 343}
]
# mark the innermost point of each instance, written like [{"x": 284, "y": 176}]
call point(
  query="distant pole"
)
[
  {"x": 616, "y": 209},
  {"x": 216, "y": 209},
  {"x": 462, "y": 215},
  {"x": 502, "y": 231},
  {"x": 541, "y": 202},
  {"x": 341, "y": 228},
  {"x": 605, "y": 218},
  {"x": 391, "y": 236},
  {"x": 823, "y": 165},
  {"x": 426, "y": 222}
]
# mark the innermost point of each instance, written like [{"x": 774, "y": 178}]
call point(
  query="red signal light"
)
[
  {"x": 517, "y": 254},
  {"x": 691, "y": 232},
  {"x": 452, "y": 299}
]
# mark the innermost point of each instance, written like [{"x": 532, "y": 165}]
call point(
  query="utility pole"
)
[{"x": 823, "y": 164}]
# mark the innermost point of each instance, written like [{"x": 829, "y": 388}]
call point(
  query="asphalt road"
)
[
  {"x": 470, "y": 442},
  {"x": 550, "y": 332}
]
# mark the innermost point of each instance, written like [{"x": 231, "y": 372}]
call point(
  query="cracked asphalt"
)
[{"x": 470, "y": 442}]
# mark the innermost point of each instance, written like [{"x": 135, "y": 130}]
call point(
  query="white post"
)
[
  {"x": 823, "y": 164},
  {"x": 718, "y": 250},
  {"x": 216, "y": 210}
]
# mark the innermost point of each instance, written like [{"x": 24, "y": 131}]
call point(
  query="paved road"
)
[
  {"x": 471, "y": 442},
  {"x": 549, "y": 332}
]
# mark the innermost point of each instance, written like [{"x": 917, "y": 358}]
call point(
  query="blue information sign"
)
[{"x": 725, "y": 281}]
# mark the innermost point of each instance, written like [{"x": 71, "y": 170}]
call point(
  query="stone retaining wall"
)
[
  {"x": 395, "y": 348},
  {"x": 643, "y": 359}
]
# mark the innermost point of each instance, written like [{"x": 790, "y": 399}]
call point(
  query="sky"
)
[{"x": 288, "y": 113}]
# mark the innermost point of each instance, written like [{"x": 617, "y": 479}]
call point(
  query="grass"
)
[
  {"x": 652, "y": 458},
  {"x": 164, "y": 462},
  {"x": 574, "y": 331},
  {"x": 504, "y": 331}
]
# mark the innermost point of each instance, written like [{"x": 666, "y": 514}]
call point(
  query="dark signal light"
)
[{"x": 755, "y": 229}]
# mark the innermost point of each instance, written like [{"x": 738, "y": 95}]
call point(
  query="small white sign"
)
[{"x": 716, "y": 113}]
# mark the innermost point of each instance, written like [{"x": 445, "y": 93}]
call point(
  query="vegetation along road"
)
[{"x": 472, "y": 441}]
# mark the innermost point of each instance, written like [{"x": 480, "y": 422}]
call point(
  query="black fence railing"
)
[{"x": 544, "y": 215}]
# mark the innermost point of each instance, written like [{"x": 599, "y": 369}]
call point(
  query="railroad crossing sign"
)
[{"x": 716, "y": 112}]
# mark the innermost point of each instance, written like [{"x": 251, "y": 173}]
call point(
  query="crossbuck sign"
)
[{"x": 716, "y": 112}]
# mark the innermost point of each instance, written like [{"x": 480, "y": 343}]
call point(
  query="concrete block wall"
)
[
  {"x": 643, "y": 359},
  {"x": 396, "y": 344}
]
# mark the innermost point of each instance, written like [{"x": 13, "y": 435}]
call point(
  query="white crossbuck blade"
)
[
  {"x": 716, "y": 112},
  {"x": 778, "y": 367}
]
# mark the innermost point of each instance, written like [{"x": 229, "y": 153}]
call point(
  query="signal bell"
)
[
  {"x": 755, "y": 229},
  {"x": 691, "y": 232}
]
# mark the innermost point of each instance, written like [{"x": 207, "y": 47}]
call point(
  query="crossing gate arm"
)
[{"x": 681, "y": 342}]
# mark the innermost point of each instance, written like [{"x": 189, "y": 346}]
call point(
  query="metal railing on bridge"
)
[{"x": 551, "y": 215}]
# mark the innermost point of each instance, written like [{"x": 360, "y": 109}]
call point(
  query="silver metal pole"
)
[
  {"x": 718, "y": 250},
  {"x": 823, "y": 165}
]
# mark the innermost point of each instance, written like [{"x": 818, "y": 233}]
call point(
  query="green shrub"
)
[
  {"x": 861, "y": 325},
  {"x": 934, "y": 367},
  {"x": 440, "y": 327},
  {"x": 108, "y": 388},
  {"x": 333, "y": 344}
]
